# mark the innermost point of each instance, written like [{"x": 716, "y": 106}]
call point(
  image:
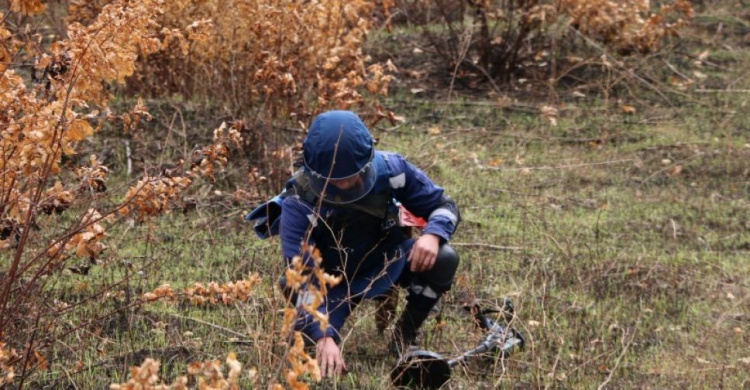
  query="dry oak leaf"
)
[
  {"x": 27, "y": 7},
  {"x": 628, "y": 109}
]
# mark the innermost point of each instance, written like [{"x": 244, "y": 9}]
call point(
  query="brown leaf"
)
[{"x": 628, "y": 109}]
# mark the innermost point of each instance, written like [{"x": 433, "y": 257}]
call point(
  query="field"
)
[{"x": 618, "y": 223}]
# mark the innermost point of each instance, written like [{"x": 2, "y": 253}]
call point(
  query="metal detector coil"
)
[{"x": 421, "y": 369}]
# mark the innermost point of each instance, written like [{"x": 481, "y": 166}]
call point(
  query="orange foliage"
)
[
  {"x": 298, "y": 276},
  {"x": 45, "y": 122},
  {"x": 87, "y": 243},
  {"x": 153, "y": 196},
  {"x": 209, "y": 376},
  {"x": 288, "y": 57},
  {"x": 301, "y": 364},
  {"x": 7, "y": 358},
  {"x": 213, "y": 293},
  {"x": 214, "y": 156},
  {"x": 27, "y": 7},
  {"x": 146, "y": 377},
  {"x": 626, "y": 25}
]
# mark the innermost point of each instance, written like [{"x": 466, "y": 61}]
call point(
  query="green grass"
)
[
  {"x": 622, "y": 239},
  {"x": 621, "y": 269}
]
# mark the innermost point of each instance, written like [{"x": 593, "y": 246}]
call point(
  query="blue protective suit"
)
[{"x": 370, "y": 252}]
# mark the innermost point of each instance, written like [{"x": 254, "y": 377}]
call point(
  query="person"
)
[{"x": 344, "y": 201}]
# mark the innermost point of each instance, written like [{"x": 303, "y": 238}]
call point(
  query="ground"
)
[{"x": 618, "y": 224}]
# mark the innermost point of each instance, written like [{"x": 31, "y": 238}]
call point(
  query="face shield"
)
[
  {"x": 346, "y": 189},
  {"x": 338, "y": 152}
]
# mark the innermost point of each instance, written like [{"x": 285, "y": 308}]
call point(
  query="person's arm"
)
[
  {"x": 297, "y": 217},
  {"x": 425, "y": 199}
]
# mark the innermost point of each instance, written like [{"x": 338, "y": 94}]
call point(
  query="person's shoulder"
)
[
  {"x": 295, "y": 203},
  {"x": 388, "y": 155},
  {"x": 395, "y": 162}
]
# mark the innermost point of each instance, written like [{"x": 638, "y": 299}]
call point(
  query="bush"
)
[
  {"x": 280, "y": 59},
  {"x": 284, "y": 61},
  {"x": 498, "y": 38}
]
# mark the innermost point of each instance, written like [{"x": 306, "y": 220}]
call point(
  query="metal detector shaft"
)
[
  {"x": 491, "y": 342},
  {"x": 460, "y": 358}
]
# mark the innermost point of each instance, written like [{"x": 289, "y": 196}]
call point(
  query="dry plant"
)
[
  {"x": 42, "y": 123},
  {"x": 627, "y": 26},
  {"x": 214, "y": 156},
  {"x": 7, "y": 359},
  {"x": 303, "y": 277},
  {"x": 43, "y": 120},
  {"x": 209, "y": 376},
  {"x": 497, "y": 38},
  {"x": 153, "y": 196},
  {"x": 280, "y": 63},
  {"x": 213, "y": 293},
  {"x": 283, "y": 60}
]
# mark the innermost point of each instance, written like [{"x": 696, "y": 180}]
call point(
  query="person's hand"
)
[
  {"x": 329, "y": 359},
  {"x": 424, "y": 252}
]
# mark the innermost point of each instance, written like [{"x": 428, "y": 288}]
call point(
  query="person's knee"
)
[
  {"x": 442, "y": 274},
  {"x": 448, "y": 258}
]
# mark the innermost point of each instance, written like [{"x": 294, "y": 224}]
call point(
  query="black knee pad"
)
[{"x": 440, "y": 277}]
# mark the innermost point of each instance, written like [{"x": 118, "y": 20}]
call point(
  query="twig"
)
[
  {"x": 668, "y": 168},
  {"x": 221, "y": 328},
  {"x": 724, "y": 315},
  {"x": 677, "y": 72},
  {"x": 490, "y": 246},
  {"x": 127, "y": 155},
  {"x": 737, "y": 80},
  {"x": 617, "y": 363},
  {"x": 547, "y": 168},
  {"x": 705, "y": 90},
  {"x": 465, "y": 44},
  {"x": 623, "y": 69},
  {"x": 554, "y": 367}
]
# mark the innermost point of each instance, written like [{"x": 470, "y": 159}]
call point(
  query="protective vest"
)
[{"x": 265, "y": 218}]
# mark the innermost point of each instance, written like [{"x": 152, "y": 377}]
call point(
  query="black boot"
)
[{"x": 406, "y": 330}]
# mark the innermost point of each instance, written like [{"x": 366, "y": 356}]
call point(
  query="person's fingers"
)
[
  {"x": 323, "y": 366},
  {"x": 416, "y": 264},
  {"x": 332, "y": 366},
  {"x": 426, "y": 264},
  {"x": 430, "y": 263},
  {"x": 423, "y": 258},
  {"x": 340, "y": 366},
  {"x": 423, "y": 262}
]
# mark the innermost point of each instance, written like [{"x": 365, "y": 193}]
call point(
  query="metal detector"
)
[{"x": 421, "y": 369}]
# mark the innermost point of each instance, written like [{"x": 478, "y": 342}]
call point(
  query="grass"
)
[
  {"x": 622, "y": 239},
  {"x": 623, "y": 271}
]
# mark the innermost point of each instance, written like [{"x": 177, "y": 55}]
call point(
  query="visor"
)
[{"x": 361, "y": 183}]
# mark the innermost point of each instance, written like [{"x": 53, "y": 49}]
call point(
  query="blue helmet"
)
[{"x": 338, "y": 147}]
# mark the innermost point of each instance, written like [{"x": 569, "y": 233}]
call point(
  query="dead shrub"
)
[{"x": 496, "y": 39}]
